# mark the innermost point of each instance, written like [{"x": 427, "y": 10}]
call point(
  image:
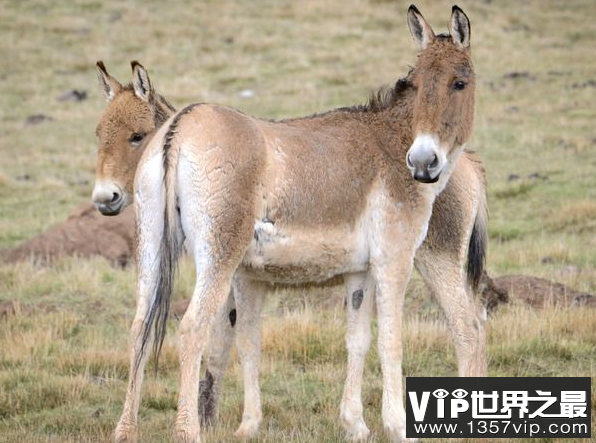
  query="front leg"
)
[
  {"x": 359, "y": 304},
  {"x": 398, "y": 234},
  {"x": 391, "y": 286}
]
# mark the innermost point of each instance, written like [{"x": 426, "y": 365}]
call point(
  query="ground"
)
[{"x": 63, "y": 361}]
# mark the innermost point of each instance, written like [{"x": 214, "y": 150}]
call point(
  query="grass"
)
[{"x": 63, "y": 360}]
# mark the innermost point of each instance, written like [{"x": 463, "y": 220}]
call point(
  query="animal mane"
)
[
  {"x": 385, "y": 98},
  {"x": 379, "y": 100}
]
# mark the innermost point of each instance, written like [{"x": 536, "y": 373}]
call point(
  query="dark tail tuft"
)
[
  {"x": 478, "y": 244},
  {"x": 476, "y": 256},
  {"x": 156, "y": 321}
]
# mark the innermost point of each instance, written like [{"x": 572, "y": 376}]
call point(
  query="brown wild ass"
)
[
  {"x": 304, "y": 200},
  {"x": 453, "y": 209}
]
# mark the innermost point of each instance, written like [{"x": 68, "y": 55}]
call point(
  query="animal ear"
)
[
  {"x": 108, "y": 84},
  {"x": 419, "y": 28},
  {"x": 141, "y": 82},
  {"x": 460, "y": 27}
]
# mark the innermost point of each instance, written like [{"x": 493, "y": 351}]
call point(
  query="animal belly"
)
[{"x": 294, "y": 255}]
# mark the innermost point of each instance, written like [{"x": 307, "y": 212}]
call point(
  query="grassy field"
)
[{"x": 63, "y": 364}]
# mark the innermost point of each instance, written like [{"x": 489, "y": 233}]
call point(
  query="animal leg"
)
[
  {"x": 249, "y": 301},
  {"x": 126, "y": 429},
  {"x": 397, "y": 235},
  {"x": 445, "y": 276},
  {"x": 150, "y": 226},
  {"x": 216, "y": 217},
  {"x": 391, "y": 285},
  {"x": 208, "y": 298},
  {"x": 359, "y": 298},
  {"x": 218, "y": 358}
]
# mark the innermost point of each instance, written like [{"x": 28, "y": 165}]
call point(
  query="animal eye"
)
[
  {"x": 459, "y": 85},
  {"x": 136, "y": 138}
]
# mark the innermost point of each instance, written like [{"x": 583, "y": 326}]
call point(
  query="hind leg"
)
[
  {"x": 149, "y": 214},
  {"x": 218, "y": 358},
  {"x": 208, "y": 298},
  {"x": 249, "y": 296},
  {"x": 216, "y": 216},
  {"x": 444, "y": 274},
  {"x": 359, "y": 304}
]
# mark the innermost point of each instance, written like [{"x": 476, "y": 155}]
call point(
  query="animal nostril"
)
[
  {"x": 409, "y": 161},
  {"x": 435, "y": 162},
  {"x": 115, "y": 197}
]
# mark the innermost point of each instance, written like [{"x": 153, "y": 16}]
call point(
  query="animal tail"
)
[
  {"x": 156, "y": 319},
  {"x": 479, "y": 239}
]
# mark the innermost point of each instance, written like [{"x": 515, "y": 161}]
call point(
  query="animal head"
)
[
  {"x": 444, "y": 105},
  {"x": 133, "y": 114}
]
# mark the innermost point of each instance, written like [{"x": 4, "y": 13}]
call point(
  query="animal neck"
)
[{"x": 390, "y": 114}]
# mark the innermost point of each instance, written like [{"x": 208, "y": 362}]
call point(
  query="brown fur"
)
[{"x": 307, "y": 187}]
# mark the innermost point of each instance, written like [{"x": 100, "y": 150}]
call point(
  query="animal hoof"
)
[
  {"x": 356, "y": 429},
  {"x": 400, "y": 437},
  {"x": 359, "y": 433},
  {"x": 397, "y": 433},
  {"x": 353, "y": 422},
  {"x": 248, "y": 429},
  {"x": 187, "y": 435},
  {"x": 125, "y": 434}
]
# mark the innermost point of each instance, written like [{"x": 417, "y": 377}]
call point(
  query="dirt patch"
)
[
  {"x": 534, "y": 291},
  {"x": 85, "y": 233}
]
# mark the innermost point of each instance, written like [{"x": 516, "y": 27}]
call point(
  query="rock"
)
[
  {"x": 36, "y": 119},
  {"x": 247, "y": 93},
  {"x": 586, "y": 84},
  {"x": 74, "y": 95},
  {"x": 519, "y": 75},
  {"x": 537, "y": 176}
]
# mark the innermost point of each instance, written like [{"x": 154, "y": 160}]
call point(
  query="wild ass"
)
[{"x": 224, "y": 172}]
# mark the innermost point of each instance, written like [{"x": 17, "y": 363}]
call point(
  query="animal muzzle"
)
[
  {"x": 108, "y": 198},
  {"x": 425, "y": 159}
]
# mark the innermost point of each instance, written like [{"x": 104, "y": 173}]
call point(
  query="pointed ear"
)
[
  {"x": 460, "y": 28},
  {"x": 420, "y": 30},
  {"x": 108, "y": 84},
  {"x": 141, "y": 82}
]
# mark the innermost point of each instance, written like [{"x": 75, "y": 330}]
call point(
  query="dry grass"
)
[{"x": 63, "y": 360}]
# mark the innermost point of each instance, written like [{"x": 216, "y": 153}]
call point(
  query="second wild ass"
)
[{"x": 325, "y": 195}]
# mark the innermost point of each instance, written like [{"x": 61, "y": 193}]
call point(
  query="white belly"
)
[{"x": 299, "y": 255}]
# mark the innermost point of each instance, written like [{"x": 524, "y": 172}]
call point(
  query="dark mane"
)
[
  {"x": 386, "y": 98},
  {"x": 383, "y": 98}
]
